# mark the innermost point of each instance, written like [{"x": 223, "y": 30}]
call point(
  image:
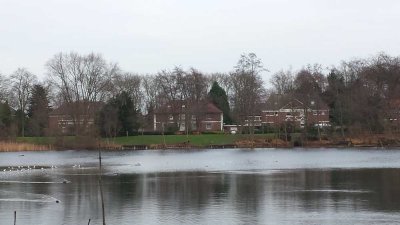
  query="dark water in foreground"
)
[{"x": 324, "y": 186}]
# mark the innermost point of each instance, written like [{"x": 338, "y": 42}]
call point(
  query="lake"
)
[{"x": 229, "y": 186}]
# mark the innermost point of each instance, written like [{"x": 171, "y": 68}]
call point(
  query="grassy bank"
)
[
  {"x": 37, "y": 140},
  {"x": 192, "y": 141},
  {"x": 201, "y": 140}
]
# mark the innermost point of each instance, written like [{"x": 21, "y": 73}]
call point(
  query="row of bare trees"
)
[
  {"x": 84, "y": 79},
  {"x": 362, "y": 94}
]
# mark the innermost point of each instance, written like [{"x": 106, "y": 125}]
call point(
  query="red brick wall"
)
[
  {"x": 212, "y": 118},
  {"x": 215, "y": 126},
  {"x": 280, "y": 118}
]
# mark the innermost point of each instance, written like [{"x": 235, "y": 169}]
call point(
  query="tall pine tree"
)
[
  {"x": 5, "y": 120},
  {"x": 118, "y": 117},
  {"x": 38, "y": 111},
  {"x": 218, "y": 96}
]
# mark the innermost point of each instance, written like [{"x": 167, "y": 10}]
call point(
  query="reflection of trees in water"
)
[
  {"x": 247, "y": 194},
  {"x": 125, "y": 191},
  {"x": 30, "y": 191},
  {"x": 250, "y": 196},
  {"x": 185, "y": 191},
  {"x": 253, "y": 198},
  {"x": 247, "y": 191},
  {"x": 384, "y": 185},
  {"x": 315, "y": 190},
  {"x": 81, "y": 196}
]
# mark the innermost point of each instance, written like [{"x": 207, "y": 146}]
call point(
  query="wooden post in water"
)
[
  {"x": 15, "y": 217},
  {"x": 88, "y": 222},
  {"x": 101, "y": 190}
]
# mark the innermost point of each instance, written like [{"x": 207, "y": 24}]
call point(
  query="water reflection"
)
[{"x": 293, "y": 196}]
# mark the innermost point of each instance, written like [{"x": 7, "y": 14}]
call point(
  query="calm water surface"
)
[{"x": 320, "y": 186}]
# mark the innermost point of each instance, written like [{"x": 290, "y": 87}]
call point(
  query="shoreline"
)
[
  {"x": 39, "y": 148},
  {"x": 193, "y": 142}
]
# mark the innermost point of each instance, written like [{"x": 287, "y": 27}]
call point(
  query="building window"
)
[
  {"x": 171, "y": 117},
  {"x": 208, "y": 126},
  {"x": 193, "y": 117},
  {"x": 315, "y": 113},
  {"x": 182, "y": 116},
  {"x": 276, "y": 113}
]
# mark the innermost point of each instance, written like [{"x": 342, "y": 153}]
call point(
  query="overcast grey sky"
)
[{"x": 149, "y": 35}]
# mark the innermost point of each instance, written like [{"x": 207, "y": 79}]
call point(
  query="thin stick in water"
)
[{"x": 101, "y": 189}]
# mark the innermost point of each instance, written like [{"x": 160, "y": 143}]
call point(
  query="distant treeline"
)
[{"x": 363, "y": 94}]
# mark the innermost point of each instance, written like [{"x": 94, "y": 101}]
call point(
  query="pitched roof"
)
[
  {"x": 179, "y": 106},
  {"x": 212, "y": 108},
  {"x": 68, "y": 108},
  {"x": 276, "y": 102}
]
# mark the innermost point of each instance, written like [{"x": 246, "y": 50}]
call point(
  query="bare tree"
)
[
  {"x": 22, "y": 82},
  {"x": 282, "y": 82},
  {"x": 195, "y": 93},
  {"x": 171, "y": 84},
  {"x": 151, "y": 91},
  {"x": 248, "y": 89},
  {"x": 195, "y": 85},
  {"x": 131, "y": 84},
  {"x": 4, "y": 88},
  {"x": 81, "y": 80}
]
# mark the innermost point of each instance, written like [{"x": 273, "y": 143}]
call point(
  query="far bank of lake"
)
[{"x": 200, "y": 141}]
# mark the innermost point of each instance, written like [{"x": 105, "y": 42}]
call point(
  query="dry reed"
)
[{"x": 17, "y": 147}]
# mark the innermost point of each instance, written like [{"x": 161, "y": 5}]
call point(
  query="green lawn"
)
[
  {"x": 199, "y": 140},
  {"x": 37, "y": 140}
]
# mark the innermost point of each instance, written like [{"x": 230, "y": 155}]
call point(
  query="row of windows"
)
[
  {"x": 182, "y": 117},
  {"x": 194, "y": 126},
  {"x": 315, "y": 113}
]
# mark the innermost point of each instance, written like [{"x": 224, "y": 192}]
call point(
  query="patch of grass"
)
[
  {"x": 198, "y": 140},
  {"x": 47, "y": 140},
  {"x": 37, "y": 140},
  {"x": 201, "y": 140}
]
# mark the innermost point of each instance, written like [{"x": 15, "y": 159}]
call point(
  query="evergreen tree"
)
[
  {"x": 119, "y": 116},
  {"x": 108, "y": 121},
  {"x": 5, "y": 120},
  {"x": 218, "y": 96},
  {"x": 38, "y": 111},
  {"x": 127, "y": 114}
]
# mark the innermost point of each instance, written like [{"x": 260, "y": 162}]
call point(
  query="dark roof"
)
[
  {"x": 68, "y": 108},
  {"x": 276, "y": 102},
  {"x": 179, "y": 106},
  {"x": 394, "y": 103},
  {"x": 212, "y": 108}
]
